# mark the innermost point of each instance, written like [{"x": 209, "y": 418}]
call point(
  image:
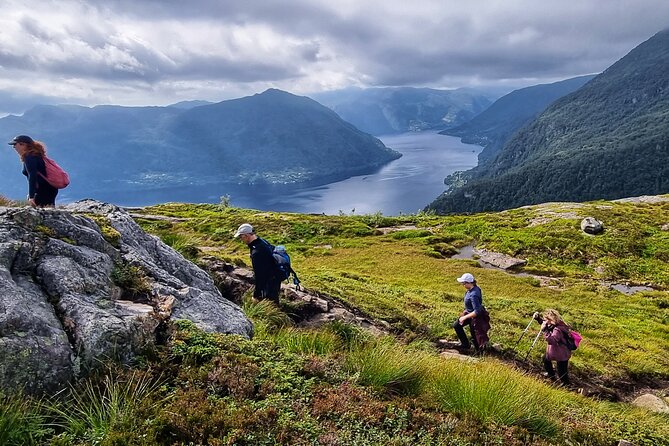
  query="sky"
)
[{"x": 158, "y": 52}]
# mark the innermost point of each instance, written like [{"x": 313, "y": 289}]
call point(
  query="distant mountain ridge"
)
[
  {"x": 496, "y": 124},
  {"x": 272, "y": 137},
  {"x": 381, "y": 111},
  {"x": 607, "y": 140}
]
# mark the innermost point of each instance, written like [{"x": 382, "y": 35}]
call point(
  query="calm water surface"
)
[{"x": 405, "y": 185}]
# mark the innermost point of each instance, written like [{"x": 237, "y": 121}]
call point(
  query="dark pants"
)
[
  {"x": 462, "y": 336},
  {"x": 562, "y": 370},
  {"x": 46, "y": 196},
  {"x": 271, "y": 291}
]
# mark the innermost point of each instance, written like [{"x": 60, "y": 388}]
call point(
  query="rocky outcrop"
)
[
  {"x": 309, "y": 309},
  {"x": 83, "y": 284}
]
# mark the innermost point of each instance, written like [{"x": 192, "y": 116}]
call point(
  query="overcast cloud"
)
[{"x": 156, "y": 52}]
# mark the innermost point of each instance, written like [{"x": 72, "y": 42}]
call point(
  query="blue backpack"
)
[{"x": 284, "y": 269}]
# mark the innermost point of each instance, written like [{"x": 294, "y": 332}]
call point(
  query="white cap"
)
[
  {"x": 466, "y": 277},
  {"x": 244, "y": 228}
]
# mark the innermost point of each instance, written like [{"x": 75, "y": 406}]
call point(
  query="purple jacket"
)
[{"x": 556, "y": 337}]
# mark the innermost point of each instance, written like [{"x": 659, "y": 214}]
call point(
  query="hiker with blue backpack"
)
[
  {"x": 559, "y": 344},
  {"x": 271, "y": 265},
  {"x": 42, "y": 186}
]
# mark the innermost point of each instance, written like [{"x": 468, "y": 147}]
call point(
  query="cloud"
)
[{"x": 160, "y": 51}]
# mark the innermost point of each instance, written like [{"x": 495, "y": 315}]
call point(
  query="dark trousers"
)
[
  {"x": 46, "y": 196},
  {"x": 562, "y": 370},
  {"x": 462, "y": 336},
  {"x": 271, "y": 291}
]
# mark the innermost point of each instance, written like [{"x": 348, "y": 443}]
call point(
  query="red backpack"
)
[{"x": 55, "y": 175}]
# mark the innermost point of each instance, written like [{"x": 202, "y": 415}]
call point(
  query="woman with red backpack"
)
[{"x": 32, "y": 154}]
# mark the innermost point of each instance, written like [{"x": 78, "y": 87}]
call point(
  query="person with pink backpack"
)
[
  {"x": 45, "y": 177},
  {"x": 559, "y": 344}
]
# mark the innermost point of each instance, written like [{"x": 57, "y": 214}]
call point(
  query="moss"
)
[
  {"x": 49, "y": 232},
  {"x": 111, "y": 235}
]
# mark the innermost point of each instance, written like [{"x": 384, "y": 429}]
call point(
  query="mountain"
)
[
  {"x": 273, "y": 137},
  {"x": 381, "y": 111},
  {"x": 190, "y": 104},
  {"x": 496, "y": 124},
  {"x": 609, "y": 139}
]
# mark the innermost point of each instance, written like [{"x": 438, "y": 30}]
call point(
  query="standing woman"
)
[
  {"x": 31, "y": 153},
  {"x": 475, "y": 315},
  {"x": 555, "y": 332}
]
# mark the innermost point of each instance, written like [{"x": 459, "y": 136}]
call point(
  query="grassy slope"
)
[
  {"x": 402, "y": 277},
  {"x": 339, "y": 386}
]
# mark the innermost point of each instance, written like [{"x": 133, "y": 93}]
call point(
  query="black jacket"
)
[
  {"x": 38, "y": 188},
  {"x": 264, "y": 268}
]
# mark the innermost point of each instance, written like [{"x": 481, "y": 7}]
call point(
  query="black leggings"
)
[
  {"x": 46, "y": 196},
  {"x": 562, "y": 370}
]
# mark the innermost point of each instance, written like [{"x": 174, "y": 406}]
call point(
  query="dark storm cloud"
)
[{"x": 165, "y": 46}]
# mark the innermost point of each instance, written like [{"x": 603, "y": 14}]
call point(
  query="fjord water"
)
[{"x": 405, "y": 185}]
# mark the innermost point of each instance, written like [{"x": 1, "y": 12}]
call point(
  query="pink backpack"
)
[{"x": 55, "y": 175}]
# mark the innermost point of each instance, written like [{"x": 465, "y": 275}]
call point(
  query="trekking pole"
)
[
  {"x": 535, "y": 341},
  {"x": 523, "y": 333}
]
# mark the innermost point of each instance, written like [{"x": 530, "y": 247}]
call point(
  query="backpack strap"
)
[{"x": 296, "y": 280}]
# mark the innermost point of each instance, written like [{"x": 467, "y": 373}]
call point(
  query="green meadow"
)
[
  {"x": 407, "y": 278},
  {"x": 339, "y": 385}
]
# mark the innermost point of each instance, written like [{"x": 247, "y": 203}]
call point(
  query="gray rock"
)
[
  {"x": 499, "y": 260},
  {"x": 651, "y": 402},
  {"x": 61, "y": 314},
  {"x": 592, "y": 226}
]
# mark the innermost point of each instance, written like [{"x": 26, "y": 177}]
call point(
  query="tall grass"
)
[
  {"x": 487, "y": 391},
  {"x": 22, "y": 421},
  {"x": 186, "y": 245},
  {"x": 4, "y": 201},
  {"x": 266, "y": 316},
  {"x": 94, "y": 409},
  {"x": 490, "y": 392},
  {"x": 384, "y": 365},
  {"x": 310, "y": 342},
  {"x": 350, "y": 336}
]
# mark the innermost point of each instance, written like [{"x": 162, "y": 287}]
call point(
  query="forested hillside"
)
[
  {"x": 609, "y": 139},
  {"x": 496, "y": 124}
]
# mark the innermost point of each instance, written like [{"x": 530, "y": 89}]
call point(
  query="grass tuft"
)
[
  {"x": 21, "y": 421},
  {"x": 95, "y": 408},
  {"x": 384, "y": 366}
]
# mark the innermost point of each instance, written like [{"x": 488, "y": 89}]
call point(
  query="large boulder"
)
[
  {"x": 64, "y": 302},
  {"x": 592, "y": 226}
]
